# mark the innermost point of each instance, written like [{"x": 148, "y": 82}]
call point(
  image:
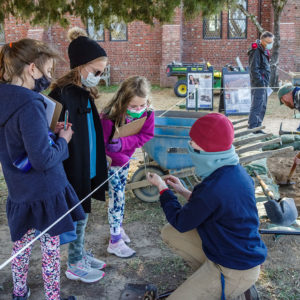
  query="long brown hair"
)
[
  {"x": 74, "y": 77},
  {"x": 133, "y": 86},
  {"x": 15, "y": 56}
]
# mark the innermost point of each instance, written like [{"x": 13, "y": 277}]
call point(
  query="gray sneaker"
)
[
  {"x": 83, "y": 271},
  {"x": 94, "y": 262}
]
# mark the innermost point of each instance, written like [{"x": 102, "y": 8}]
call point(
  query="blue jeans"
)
[
  {"x": 76, "y": 247},
  {"x": 258, "y": 107}
]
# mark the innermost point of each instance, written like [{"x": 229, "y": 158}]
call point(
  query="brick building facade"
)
[{"x": 147, "y": 50}]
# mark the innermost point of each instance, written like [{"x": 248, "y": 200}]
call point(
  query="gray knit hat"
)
[{"x": 285, "y": 89}]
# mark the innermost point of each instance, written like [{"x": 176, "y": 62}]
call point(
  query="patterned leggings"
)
[
  {"x": 116, "y": 191},
  {"x": 50, "y": 265}
]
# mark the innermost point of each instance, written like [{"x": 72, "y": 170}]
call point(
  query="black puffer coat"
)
[
  {"x": 77, "y": 166},
  {"x": 259, "y": 65}
]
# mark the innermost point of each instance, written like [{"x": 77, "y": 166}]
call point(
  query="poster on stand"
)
[
  {"x": 200, "y": 92},
  {"x": 237, "y": 93}
]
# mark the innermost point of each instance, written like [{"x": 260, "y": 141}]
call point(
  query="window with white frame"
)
[
  {"x": 212, "y": 27},
  {"x": 118, "y": 31},
  {"x": 237, "y": 22},
  {"x": 2, "y": 34},
  {"x": 96, "y": 34}
]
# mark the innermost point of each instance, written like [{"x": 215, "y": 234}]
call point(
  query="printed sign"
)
[
  {"x": 200, "y": 92},
  {"x": 237, "y": 93}
]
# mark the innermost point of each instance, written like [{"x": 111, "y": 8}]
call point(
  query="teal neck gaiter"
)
[{"x": 207, "y": 162}]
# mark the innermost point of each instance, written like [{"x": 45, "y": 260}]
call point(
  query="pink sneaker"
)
[
  {"x": 120, "y": 249},
  {"x": 124, "y": 236}
]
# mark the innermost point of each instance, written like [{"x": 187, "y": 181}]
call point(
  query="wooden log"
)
[
  {"x": 239, "y": 121},
  {"x": 257, "y": 146},
  {"x": 240, "y": 127},
  {"x": 264, "y": 154},
  {"x": 251, "y": 139},
  {"x": 248, "y": 131}
]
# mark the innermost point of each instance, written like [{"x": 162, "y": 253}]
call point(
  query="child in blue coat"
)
[
  {"x": 38, "y": 192},
  {"x": 216, "y": 231}
]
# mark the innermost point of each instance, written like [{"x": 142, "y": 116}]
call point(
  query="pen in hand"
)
[{"x": 66, "y": 120}]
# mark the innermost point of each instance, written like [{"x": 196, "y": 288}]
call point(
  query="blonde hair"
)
[
  {"x": 15, "y": 56},
  {"x": 133, "y": 86}
]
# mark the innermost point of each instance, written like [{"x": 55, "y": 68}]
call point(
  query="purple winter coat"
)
[{"x": 129, "y": 143}]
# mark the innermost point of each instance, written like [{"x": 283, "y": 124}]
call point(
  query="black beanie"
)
[{"x": 83, "y": 50}]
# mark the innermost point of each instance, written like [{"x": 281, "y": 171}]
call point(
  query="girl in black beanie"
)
[{"x": 86, "y": 167}]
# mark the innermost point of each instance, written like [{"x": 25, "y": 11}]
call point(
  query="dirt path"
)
[{"x": 154, "y": 262}]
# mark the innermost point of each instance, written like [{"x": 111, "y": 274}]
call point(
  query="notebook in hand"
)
[
  {"x": 131, "y": 128},
  {"x": 53, "y": 111}
]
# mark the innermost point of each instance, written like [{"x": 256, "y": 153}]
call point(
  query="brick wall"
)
[
  {"x": 149, "y": 49},
  {"x": 289, "y": 59},
  {"x": 221, "y": 51}
]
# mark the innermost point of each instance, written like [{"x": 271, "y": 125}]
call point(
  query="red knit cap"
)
[{"x": 213, "y": 132}]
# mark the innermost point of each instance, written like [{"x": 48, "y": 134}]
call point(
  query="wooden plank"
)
[
  {"x": 248, "y": 131},
  {"x": 264, "y": 154},
  {"x": 251, "y": 139},
  {"x": 257, "y": 146}
]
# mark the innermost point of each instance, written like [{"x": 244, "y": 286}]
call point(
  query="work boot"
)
[
  {"x": 259, "y": 132},
  {"x": 252, "y": 293}
]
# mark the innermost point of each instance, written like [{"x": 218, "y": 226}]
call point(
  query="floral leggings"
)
[
  {"x": 116, "y": 193},
  {"x": 50, "y": 265}
]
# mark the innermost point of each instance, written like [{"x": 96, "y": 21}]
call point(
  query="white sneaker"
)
[
  {"x": 82, "y": 271},
  {"x": 124, "y": 236},
  {"x": 120, "y": 249}
]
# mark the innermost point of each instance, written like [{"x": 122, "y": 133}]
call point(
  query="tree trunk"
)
[{"x": 278, "y": 6}]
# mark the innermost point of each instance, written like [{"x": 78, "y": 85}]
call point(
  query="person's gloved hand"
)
[{"x": 115, "y": 145}]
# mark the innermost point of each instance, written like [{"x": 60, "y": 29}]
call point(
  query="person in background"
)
[
  {"x": 289, "y": 95},
  {"x": 259, "y": 64},
  {"x": 38, "y": 190},
  {"x": 131, "y": 102},
  {"x": 216, "y": 231},
  {"x": 86, "y": 168}
]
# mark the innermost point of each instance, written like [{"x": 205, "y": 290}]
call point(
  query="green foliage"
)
[{"x": 47, "y": 12}]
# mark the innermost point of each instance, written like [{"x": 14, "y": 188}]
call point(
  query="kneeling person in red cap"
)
[{"x": 216, "y": 231}]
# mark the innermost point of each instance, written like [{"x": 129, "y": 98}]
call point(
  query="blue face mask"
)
[
  {"x": 269, "y": 46},
  {"x": 41, "y": 84},
  {"x": 207, "y": 162}
]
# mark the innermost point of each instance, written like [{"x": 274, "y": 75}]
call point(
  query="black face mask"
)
[{"x": 41, "y": 84}]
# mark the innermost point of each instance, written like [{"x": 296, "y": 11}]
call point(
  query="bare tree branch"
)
[{"x": 252, "y": 17}]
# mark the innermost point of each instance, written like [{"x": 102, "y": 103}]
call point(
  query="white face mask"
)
[
  {"x": 269, "y": 46},
  {"x": 91, "y": 80}
]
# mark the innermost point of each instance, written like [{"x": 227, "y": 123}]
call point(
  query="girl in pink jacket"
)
[{"x": 131, "y": 102}]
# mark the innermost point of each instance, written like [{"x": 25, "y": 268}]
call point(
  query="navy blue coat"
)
[
  {"x": 259, "y": 63},
  {"x": 37, "y": 198},
  {"x": 223, "y": 210}
]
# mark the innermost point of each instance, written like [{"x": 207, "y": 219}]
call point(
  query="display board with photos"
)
[
  {"x": 236, "y": 95},
  {"x": 200, "y": 89}
]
